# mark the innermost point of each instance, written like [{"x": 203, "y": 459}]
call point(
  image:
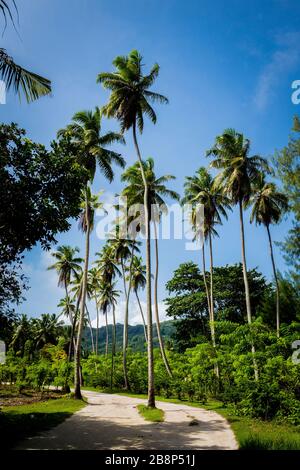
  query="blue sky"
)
[{"x": 223, "y": 64}]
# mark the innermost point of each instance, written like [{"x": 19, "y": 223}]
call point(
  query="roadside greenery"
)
[{"x": 151, "y": 414}]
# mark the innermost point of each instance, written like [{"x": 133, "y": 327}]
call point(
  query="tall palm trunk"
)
[
  {"x": 276, "y": 281},
  {"x": 205, "y": 281},
  {"x": 246, "y": 283},
  {"x": 151, "y": 393},
  {"x": 106, "y": 335},
  {"x": 97, "y": 324},
  {"x": 72, "y": 340},
  {"x": 82, "y": 303},
  {"x": 160, "y": 339},
  {"x": 142, "y": 315},
  {"x": 212, "y": 308},
  {"x": 113, "y": 346}
]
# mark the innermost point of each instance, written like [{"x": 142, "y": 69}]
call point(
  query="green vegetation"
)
[
  {"x": 151, "y": 414},
  {"x": 19, "y": 422}
]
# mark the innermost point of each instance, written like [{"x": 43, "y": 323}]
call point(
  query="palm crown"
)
[
  {"x": 231, "y": 150},
  {"x": 85, "y": 132},
  {"x": 67, "y": 263},
  {"x": 200, "y": 189},
  {"x": 268, "y": 203},
  {"x": 131, "y": 95}
]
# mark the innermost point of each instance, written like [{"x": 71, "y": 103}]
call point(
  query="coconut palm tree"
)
[
  {"x": 67, "y": 265},
  {"x": 138, "y": 281},
  {"x": 268, "y": 206},
  {"x": 199, "y": 189},
  {"x": 129, "y": 102},
  {"x": 47, "y": 329},
  {"x": 85, "y": 133},
  {"x": 156, "y": 191},
  {"x": 238, "y": 173},
  {"x": 107, "y": 300},
  {"x": 123, "y": 250}
]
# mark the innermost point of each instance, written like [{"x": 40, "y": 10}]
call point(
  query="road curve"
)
[{"x": 113, "y": 422}]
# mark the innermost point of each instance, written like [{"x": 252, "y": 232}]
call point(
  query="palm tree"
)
[
  {"x": 33, "y": 86},
  {"x": 94, "y": 281},
  {"x": 268, "y": 205},
  {"x": 129, "y": 101},
  {"x": 199, "y": 189},
  {"x": 138, "y": 281},
  {"x": 47, "y": 329},
  {"x": 85, "y": 132},
  {"x": 107, "y": 300},
  {"x": 67, "y": 265},
  {"x": 156, "y": 190},
  {"x": 21, "y": 334},
  {"x": 239, "y": 172},
  {"x": 123, "y": 249}
]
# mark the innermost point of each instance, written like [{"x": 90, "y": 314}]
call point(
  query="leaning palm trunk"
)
[
  {"x": 160, "y": 339},
  {"x": 205, "y": 281},
  {"x": 247, "y": 292},
  {"x": 276, "y": 281},
  {"x": 125, "y": 334},
  {"x": 151, "y": 394},
  {"x": 82, "y": 305},
  {"x": 142, "y": 314},
  {"x": 212, "y": 309}
]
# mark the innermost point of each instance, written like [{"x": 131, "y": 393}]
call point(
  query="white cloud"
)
[
  {"x": 134, "y": 313},
  {"x": 283, "y": 60}
]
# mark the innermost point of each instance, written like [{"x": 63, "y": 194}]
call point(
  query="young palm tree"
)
[
  {"x": 138, "y": 281},
  {"x": 135, "y": 195},
  {"x": 67, "y": 265},
  {"x": 199, "y": 189},
  {"x": 268, "y": 206},
  {"x": 85, "y": 132},
  {"x": 129, "y": 101},
  {"x": 239, "y": 172}
]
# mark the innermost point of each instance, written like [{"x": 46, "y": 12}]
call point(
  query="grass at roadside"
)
[
  {"x": 18, "y": 422},
  {"x": 151, "y": 414},
  {"x": 251, "y": 434}
]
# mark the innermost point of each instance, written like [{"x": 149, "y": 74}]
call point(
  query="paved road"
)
[{"x": 113, "y": 422}]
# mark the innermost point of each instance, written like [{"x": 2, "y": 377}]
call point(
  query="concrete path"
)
[{"x": 113, "y": 422}]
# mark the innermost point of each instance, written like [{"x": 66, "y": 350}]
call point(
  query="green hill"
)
[{"x": 136, "y": 338}]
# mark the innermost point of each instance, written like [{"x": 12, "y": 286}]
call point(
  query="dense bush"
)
[{"x": 275, "y": 395}]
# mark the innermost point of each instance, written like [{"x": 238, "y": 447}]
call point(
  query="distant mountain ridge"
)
[{"x": 136, "y": 337}]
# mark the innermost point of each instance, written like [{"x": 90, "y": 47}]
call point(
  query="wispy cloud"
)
[{"x": 284, "y": 59}]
